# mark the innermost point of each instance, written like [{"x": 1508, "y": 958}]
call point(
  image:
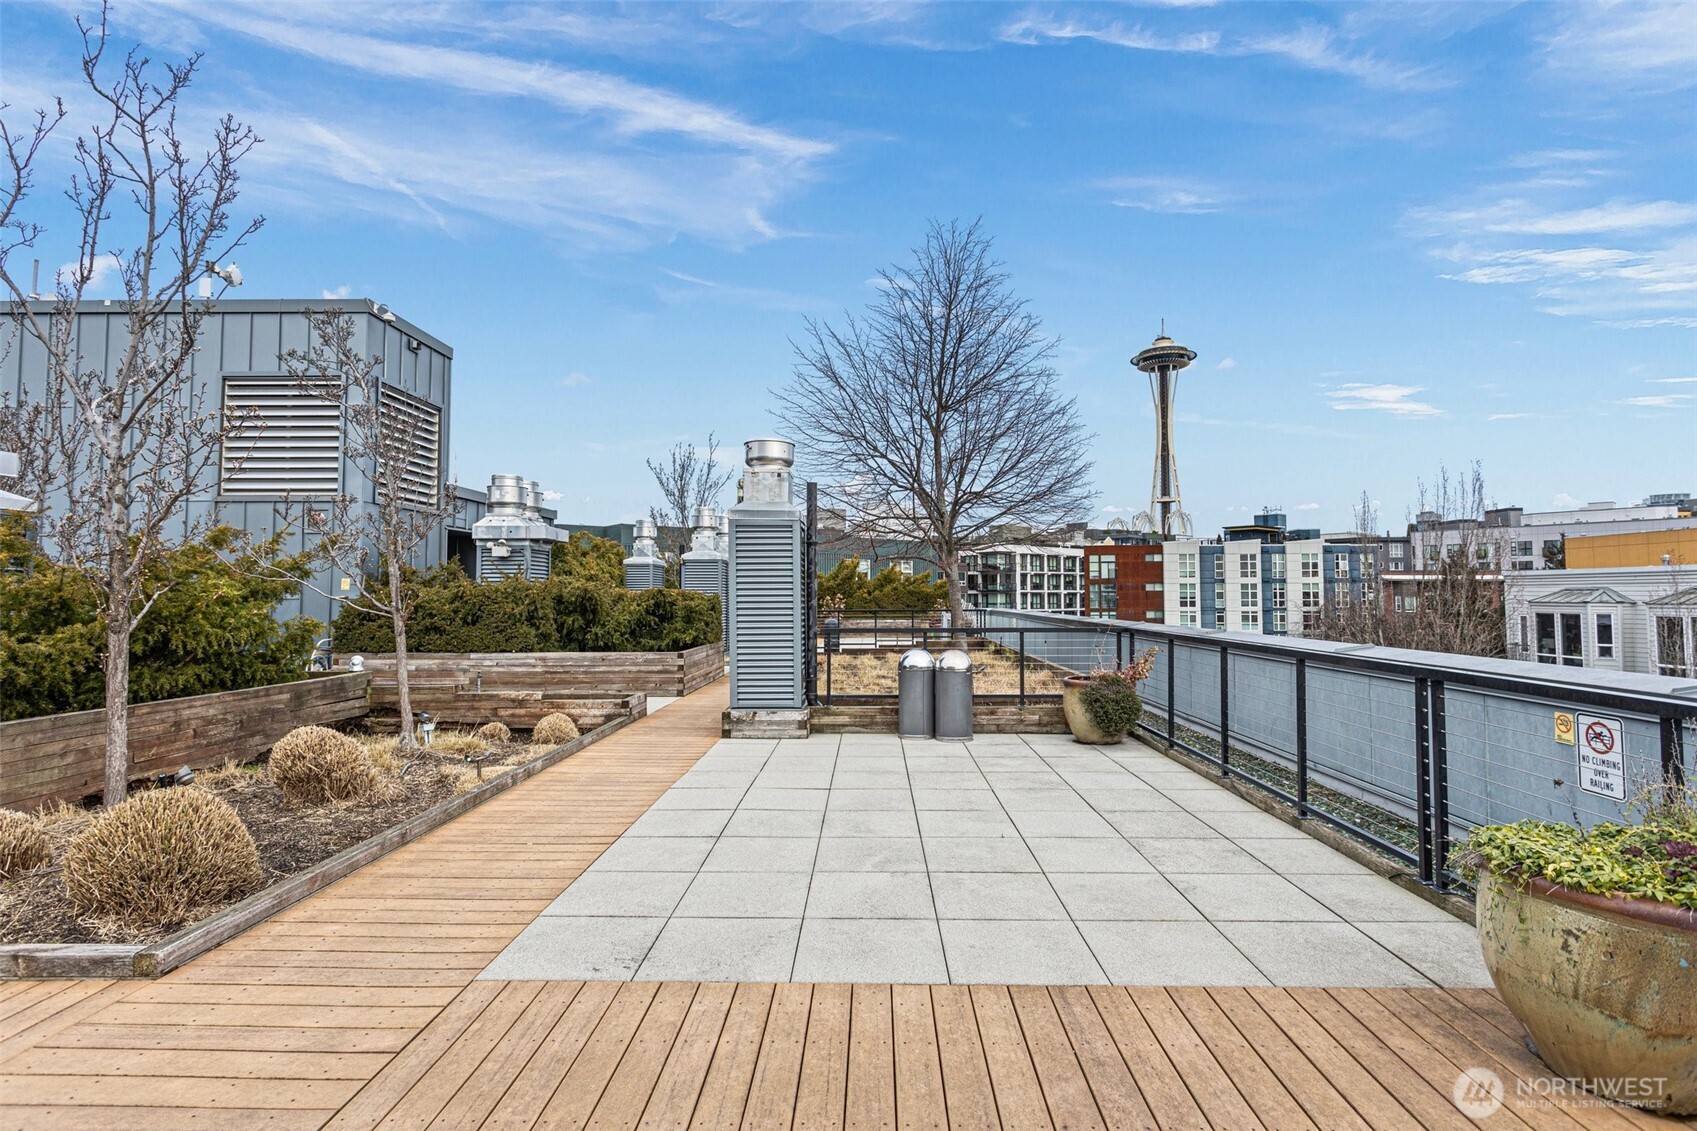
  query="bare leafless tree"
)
[
  {"x": 115, "y": 447},
  {"x": 689, "y": 478},
  {"x": 369, "y": 543},
  {"x": 937, "y": 414}
]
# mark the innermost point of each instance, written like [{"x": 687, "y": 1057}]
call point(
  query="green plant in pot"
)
[
  {"x": 1103, "y": 707},
  {"x": 1591, "y": 938}
]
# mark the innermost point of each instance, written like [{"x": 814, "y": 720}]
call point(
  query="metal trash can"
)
[
  {"x": 915, "y": 685},
  {"x": 833, "y": 635},
  {"x": 954, "y": 695}
]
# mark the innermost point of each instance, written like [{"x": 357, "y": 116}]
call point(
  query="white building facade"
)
[
  {"x": 1638, "y": 619},
  {"x": 1046, "y": 578}
]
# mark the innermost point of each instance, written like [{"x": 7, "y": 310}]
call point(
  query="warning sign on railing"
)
[{"x": 1602, "y": 755}]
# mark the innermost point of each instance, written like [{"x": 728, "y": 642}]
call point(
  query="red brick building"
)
[{"x": 1124, "y": 582}]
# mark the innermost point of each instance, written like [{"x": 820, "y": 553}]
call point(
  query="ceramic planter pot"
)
[
  {"x": 1084, "y": 729},
  {"x": 1606, "y": 986}
]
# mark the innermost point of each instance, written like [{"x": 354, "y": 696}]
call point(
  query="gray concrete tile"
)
[
  {"x": 1319, "y": 954},
  {"x": 1162, "y": 824},
  {"x": 803, "y": 763},
  {"x": 744, "y": 746},
  {"x": 1062, "y": 823},
  {"x": 680, "y": 822},
  {"x": 1291, "y": 857},
  {"x": 567, "y": 947},
  {"x": 873, "y": 779},
  {"x": 1111, "y": 895},
  {"x": 1257, "y": 825},
  {"x": 716, "y": 761},
  {"x": 774, "y": 822},
  {"x": 654, "y": 854},
  {"x": 870, "y": 950},
  {"x": 871, "y": 822},
  {"x": 1023, "y": 779},
  {"x": 716, "y": 779},
  {"x": 1061, "y": 800},
  {"x": 1370, "y": 899},
  {"x": 745, "y": 895},
  {"x": 1014, "y": 952},
  {"x": 1111, "y": 801},
  {"x": 995, "y": 895},
  {"x": 979, "y": 854},
  {"x": 785, "y": 778},
  {"x": 944, "y": 779},
  {"x": 762, "y": 853},
  {"x": 981, "y": 799},
  {"x": 1209, "y": 799},
  {"x": 870, "y": 799},
  {"x": 1168, "y": 954},
  {"x": 1086, "y": 854},
  {"x": 621, "y": 893},
  {"x": 965, "y": 822},
  {"x": 870, "y": 854},
  {"x": 870, "y": 895},
  {"x": 942, "y": 763},
  {"x": 1084, "y": 781},
  {"x": 1261, "y": 899},
  {"x": 1192, "y": 855},
  {"x": 800, "y": 800},
  {"x": 1447, "y": 953},
  {"x": 723, "y": 950},
  {"x": 699, "y": 799}
]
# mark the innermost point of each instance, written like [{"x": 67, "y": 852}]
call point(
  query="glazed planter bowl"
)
[
  {"x": 1606, "y": 986},
  {"x": 1084, "y": 729}
]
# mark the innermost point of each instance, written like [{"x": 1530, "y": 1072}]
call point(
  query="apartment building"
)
[
  {"x": 1049, "y": 578},
  {"x": 1247, "y": 585},
  {"x": 1124, "y": 581},
  {"x": 1633, "y": 619}
]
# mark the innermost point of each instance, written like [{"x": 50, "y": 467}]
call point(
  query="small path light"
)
[{"x": 426, "y": 728}]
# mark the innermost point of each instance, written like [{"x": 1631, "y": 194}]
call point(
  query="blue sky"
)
[{"x": 1396, "y": 234}]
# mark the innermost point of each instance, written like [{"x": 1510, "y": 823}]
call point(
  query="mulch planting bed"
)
[{"x": 290, "y": 838}]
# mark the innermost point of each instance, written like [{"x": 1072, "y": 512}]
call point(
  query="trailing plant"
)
[{"x": 1655, "y": 860}]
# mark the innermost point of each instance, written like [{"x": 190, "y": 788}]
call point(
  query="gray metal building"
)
[{"x": 298, "y": 454}]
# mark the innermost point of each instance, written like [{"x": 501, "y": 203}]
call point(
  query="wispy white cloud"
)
[
  {"x": 1174, "y": 195},
  {"x": 573, "y": 380},
  {"x": 344, "y": 291},
  {"x": 1649, "y": 46},
  {"x": 1673, "y": 380},
  {"x": 1308, "y": 506},
  {"x": 1398, "y": 400},
  {"x": 1663, "y": 400},
  {"x": 1511, "y": 416},
  {"x": 1227, "y": 363},
  {"x": 1521, "y": 217},
  {"x": 696, "y": 289},
  {"x": 1033, "y": 29}
]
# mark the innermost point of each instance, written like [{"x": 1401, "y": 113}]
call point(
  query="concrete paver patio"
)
[{"x": 1010, "y": 859}]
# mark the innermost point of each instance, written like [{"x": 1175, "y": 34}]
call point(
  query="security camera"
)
[{"x": 230, "y": 273}]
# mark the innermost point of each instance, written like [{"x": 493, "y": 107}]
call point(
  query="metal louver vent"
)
[
  {"x": 766, "y": 639},
  {"x": 286, "y": 441},
  {"x": 412, "y": 429}
]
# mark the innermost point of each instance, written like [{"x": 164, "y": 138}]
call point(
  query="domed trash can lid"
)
[
  {"x": 954, "y": 660},
  {"x": 916, "y": 659}
]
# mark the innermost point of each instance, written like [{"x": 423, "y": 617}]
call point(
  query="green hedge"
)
[
  {"x": 890, "y": 589},
  {"x": 213, "y": 629},
  {"x": 562, "y": 614}
]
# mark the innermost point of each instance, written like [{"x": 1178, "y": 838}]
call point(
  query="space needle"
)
[{"x": 1162, "y": 361}]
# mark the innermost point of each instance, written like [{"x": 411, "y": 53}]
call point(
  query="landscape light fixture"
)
[
  {"x": 356, "y": 663},
  {"x": 229, "y": 273},
  {"x": 184, "y": 776},
  {"x": 383, "y": 312}
]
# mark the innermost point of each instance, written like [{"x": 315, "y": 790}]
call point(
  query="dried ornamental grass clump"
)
[
  {"x": 453, "y": 745},
  {"x": 313, "y": 765},
  {"x": 159, "y": 858},
  {"x": 23, "y": 846},
  {"x": 493, "y": 732},
  {"x": 553, "y": 729}
]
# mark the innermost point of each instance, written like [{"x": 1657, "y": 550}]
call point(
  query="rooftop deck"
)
[{"x": 380, "y": 1001}]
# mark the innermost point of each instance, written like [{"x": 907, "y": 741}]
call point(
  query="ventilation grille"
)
[
  {"x": 529, "y": 560},
  {"x": 644, "y": 574},
  {"x": 412, "y": 431},
  {"x": 766, "y": 638},
  {"x": 710, "y": 575},
  {"x": 286, "y": 440}
]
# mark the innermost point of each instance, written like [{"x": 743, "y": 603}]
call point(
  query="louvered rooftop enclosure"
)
[
  {"x": 706, "y": 568},
  {"x": 765, "y": 638}
]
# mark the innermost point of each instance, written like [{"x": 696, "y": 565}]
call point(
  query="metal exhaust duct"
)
[
  {"x": 644, "y": 569},
  {"x": 511, "y": 538},
  {"x": 706, "y": 569},
  {"x": 765, "y": 625}
]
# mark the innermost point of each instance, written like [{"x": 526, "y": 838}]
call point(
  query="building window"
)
[
  {"x": 1410, "y": 603},
  {"x": 905, "y": 565},
  {"x": 1187, "y": 595},
  {"x": 1340, "y": 566},
  {"x": 1054, "y": 600},
  {"x": 1154, "y": 586},
  {"x": 1278, "y": 596},
  {"x": 1248, "y": 567},
  {"x": 1398, "y": 604},
  {"x": 1572, "y": 641},
  {"x": 1188, "y": 619},
  {"x": 1522, "y": 549},
  {"x": 1072, "y": 581},
  {"x": 1276, "y": 566},
  {"x": 1249, "y": 595},
  {"x": 1310, "y": 565},
  {"x": 286, "y": 441},
  {"x": 1546, "y": 638},
  {"x": 1671, "y": 649},
  {"x": 1219, "y": 618},
  {"x": 1219, "y": 565},
  {"x": 1055, "y": 582},
  {"x": 1220, "y": 595},
  {"x": 1187, "y": 565},
  {"x": 1251, "y": 620},
  {"x": 1605, "y": 635},
  {"x": 1152, "y": 558},
  {"x": 1278, "y": 624},
  {"x": 1054, "y": 563},
  {"x": 1094, "y": 569}
]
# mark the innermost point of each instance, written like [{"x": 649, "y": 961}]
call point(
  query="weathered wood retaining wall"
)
[
  {"x": 62, "y": 757},
  {"x": 987, "y": 718},
  {"x": 518, "y": 688}
]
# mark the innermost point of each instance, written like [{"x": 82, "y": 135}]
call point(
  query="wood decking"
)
[{"x": 360, "y": 1008}]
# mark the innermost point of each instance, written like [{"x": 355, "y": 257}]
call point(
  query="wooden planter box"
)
[{"x": 62, "y": 757}]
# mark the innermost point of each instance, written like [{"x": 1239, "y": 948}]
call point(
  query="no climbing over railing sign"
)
[{"x": 1602, "y": 755}]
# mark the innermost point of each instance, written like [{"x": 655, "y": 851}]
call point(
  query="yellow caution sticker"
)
[{"x": 1564, "y": 728}]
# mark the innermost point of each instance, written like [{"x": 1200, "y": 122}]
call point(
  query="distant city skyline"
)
[{"x": 1397, "y": 236}]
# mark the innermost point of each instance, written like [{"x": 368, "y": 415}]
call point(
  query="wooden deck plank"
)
[
  {"x": 918, "y": 1071},
  {"x": 1258, "y": 1085},
  {"x": 968, "y": 1093},
  {"x": 1065, "y": 1090},
  {"x": 1013, "y": 1077},
  {"x": 22, "y": 1037},
  {"x": 632, "y": 1084},
  {"x": 1322, "y": 1102},
  {"x": 581, "y": 1087},
  {"x": 478, "y": 1095},
  {"x": 671, "y": 1102},
  {"x": 47, "y": 1117},
  {"x": 200, "y": 1062},
  {"x": 1209, "y": 1084},
  {"x": 1164, "y": 1090},
  {"x": 823, "y": 1087},
  {"x": 1371, "y": 1099},
  {"x": 777, "y": 1070},
  {"x": 871, "y": 1090},
  {"x": 524, "y": 1100},
  {"x": 430, "y": 1093},
  {"x": 1118, "y": 1098},
  {"x": 724, "y": 1093}
]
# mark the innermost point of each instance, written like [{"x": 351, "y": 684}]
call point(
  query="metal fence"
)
[
  {"x": 1406, "y": 750},
  {"x": 870, "y": 630}
]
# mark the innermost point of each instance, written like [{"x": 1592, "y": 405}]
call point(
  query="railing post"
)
[
  {"x": 1225, "y": 712},
  {"x": 827, "y": 677},
  {"x": 1440, "y": 787},
  {"x": 1172, "y": 690},
  {"x": 1301, "y": 736},
  {"x": 1423, "y": 777},
  {"x": 1022, "y": 669},
  {"x": 1673, "y": 755},
  {"x": 1119, "y": 641}
]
